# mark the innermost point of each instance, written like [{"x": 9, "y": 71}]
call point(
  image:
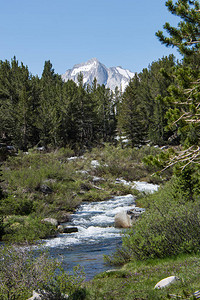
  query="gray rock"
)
[
  {"x": 64, "y": 217},
  {"x": 51, "y": 221},
  {"x": 35, "y": 296},
  {"x": 45, "y": 295},
  {"x": 135, "y": 214},
  {"x": 70, "y": 229},
  {"x": 60, "y": 228},
  {"x": 45, "y": 189},
  {"x": 96, "y": 179}
]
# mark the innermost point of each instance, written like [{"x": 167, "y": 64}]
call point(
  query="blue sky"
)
[{"x": 67, "y": 32}]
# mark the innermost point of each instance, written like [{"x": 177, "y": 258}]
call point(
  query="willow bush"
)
[
  {"x": 169, "y": 226},
  {"x": 22, "y": 271}
]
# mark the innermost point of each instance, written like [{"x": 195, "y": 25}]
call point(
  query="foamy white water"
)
[
  {"x": 95, "y": 221},
  {"x": 96, "y": 234},
  {"x": 141, "y": 186}
]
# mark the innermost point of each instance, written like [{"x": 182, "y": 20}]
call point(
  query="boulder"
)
[
  {"x": 122, "y": 220},
  {"x": 165, "y": 282},
  {"x": 46, "y": 295},
  {"x": 51, "y": 221},
  {"x": 97, "y": 179},
  {"x": 70, "y": 229},
  {"x": 134, "y": 215},
  {"x": 45, "y": 189},
  {"x": 35, "y": 296},
  {"x": 64, "y": 217},
  {"x": 60, "y": 228}
]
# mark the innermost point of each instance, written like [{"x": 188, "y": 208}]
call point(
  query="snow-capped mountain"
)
[{"x": 110, "y": 77}]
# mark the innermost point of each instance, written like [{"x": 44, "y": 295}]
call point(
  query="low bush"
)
[
  {"x": 23, "y": 229},
  {"x": 22, "y": 271},
  {"x": 169, "y": 226},
  {"x": 16, "y": 205}
]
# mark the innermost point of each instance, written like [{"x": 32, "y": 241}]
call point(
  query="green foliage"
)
[
  {"x": 131, "y": 120},
  {"x": 183, "y": 98},
  {"x": 21, "y": 272},
  {"x": 63, "y": 284},
  {"x": 154, "y": 83},
  {"x": 186, "y": 36},
  {"x": 16, "y": 206},
  {"x": 21, "y": 230},
  {"x": 1, "y": 192},
  {"x": 169, "y": 226},
  {"x": 116, "y": 162},
  {"x": 2, "y": 228},
  {"x": 136, "y": 280}
]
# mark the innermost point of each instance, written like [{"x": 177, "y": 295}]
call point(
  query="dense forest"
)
[{"x": 49, "y": 112}]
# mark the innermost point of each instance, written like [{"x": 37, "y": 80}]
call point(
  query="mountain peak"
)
[
  {"x": 94, "y": 59},
  {"x": 111, "y": 77}
]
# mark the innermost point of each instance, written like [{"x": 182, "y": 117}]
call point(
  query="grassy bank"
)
[
  {"x": 52, "y": 184},
  {"x": 136, "y": 280}
]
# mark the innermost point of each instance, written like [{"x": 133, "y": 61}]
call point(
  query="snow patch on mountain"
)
[{"x": 111, "y": 77}]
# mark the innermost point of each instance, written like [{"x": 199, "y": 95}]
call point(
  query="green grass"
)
[{"x": 137, "y": 279}]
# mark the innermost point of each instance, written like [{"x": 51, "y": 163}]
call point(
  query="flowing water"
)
[{"x": 96, "y": 234}]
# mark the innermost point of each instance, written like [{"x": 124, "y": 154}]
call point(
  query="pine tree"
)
[
  {"x": 184, "y": 97},
  {"x": 186, "y": 36},
  {"x": 49, "y": 117},
  {"x": 131, "y": 121},
  {"x": 16, "y": 103},
  {"x": 154, "y": 84}
]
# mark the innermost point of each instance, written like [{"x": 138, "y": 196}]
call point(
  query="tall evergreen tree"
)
[
  {"x": 49, "y": 118},
  {"x": 105, "y": 113},
  {"x": 185, "y": 94},
  {"x": 16, "y": 103},
  {"x": 131, "y": 121},
  {"x": 154, "y": 84},
  {"x": 186, "y": 35}
]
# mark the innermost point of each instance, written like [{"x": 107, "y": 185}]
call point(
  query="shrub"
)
[
  {"x": 16, "y": 206},
  {"x": 22, "y": 271},
  {"x": 169, "y": 226},
  {"x": 162, "y": 233},
  {"x": 21, "y": 229}
]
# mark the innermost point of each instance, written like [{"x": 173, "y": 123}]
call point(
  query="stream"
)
[{"x": 96, "y": 234}]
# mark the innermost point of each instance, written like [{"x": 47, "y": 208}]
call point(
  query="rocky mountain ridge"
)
[{"x": 111, "y": 77}]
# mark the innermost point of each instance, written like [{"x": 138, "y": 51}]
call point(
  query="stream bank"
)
[{"x": 96, "y": 234}]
